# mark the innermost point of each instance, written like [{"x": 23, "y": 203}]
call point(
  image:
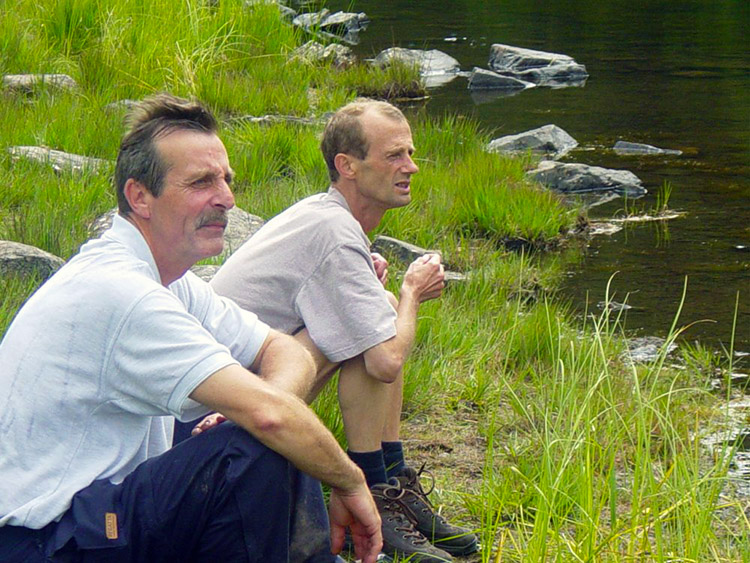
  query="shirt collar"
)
[
  {"x": 337, "y": 197},
  {"x": 126, "y": 233}
]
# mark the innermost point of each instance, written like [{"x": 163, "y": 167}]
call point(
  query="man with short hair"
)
[
  {"x": 309, "y": 272},
  {"x": 123, "y": 339}
]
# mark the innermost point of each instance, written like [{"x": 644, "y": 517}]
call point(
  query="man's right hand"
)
[
  {"x": 425, "y": 277},
  {"x": 356, "y": 511}
]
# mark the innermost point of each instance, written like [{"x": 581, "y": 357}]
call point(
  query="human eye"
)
[{"x": 201, "y": 182}]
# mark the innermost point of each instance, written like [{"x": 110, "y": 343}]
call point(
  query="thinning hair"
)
[
  {"x": 152, "y": 118},
  {"x": 344, "y": 132}
]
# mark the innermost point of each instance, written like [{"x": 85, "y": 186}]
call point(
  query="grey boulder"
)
[
  {"x": 549, "y": 140},
  {"x": 27, "y": 83},
  {"x": 540, "y": 67},
  {"x": 21, "y": 259},
  {"x": 435, "y": 67},
  {"x": 407, "y": 253},
  {"x": 338, "y": 25},
  {"x": 59, "y": 161},
  {"x": 576, "y": 178},
  {"x": 313, "y": 52},
  {"x": 482, "y": 79}
]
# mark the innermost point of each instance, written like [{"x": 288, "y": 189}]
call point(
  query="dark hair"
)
[
  {"x": 344, "y": 132},
  {"x": 152, "y": 118}
]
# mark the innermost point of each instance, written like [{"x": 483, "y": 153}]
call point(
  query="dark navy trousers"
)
[{"x": 218, "y": 497}]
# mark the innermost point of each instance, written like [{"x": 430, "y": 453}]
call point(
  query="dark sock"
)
[
  {"x": 371, "y": 464},
  {"x": 393, "y": 455}
]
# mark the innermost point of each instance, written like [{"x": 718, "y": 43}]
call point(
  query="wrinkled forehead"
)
[{"x": 189, "y": 150}]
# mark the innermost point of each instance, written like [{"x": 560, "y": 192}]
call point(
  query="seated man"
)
[
  {"x": 309, "y": 272},
  {"x": 121, "y": 340}
]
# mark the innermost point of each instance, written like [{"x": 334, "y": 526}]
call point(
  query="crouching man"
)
[
  {"x": 122, "y": 340},
  {"x": 309, "y": 272}
]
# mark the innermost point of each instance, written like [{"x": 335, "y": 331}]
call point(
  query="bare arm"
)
[
  {"x": 424, "y": 280},
  {"x": 280, "y": 361}
]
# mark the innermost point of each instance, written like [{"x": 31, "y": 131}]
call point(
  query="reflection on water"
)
[{"x": 674, "y": 75}]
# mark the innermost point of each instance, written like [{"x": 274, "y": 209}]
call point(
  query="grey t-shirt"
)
[{"x": 311, "y": 266}]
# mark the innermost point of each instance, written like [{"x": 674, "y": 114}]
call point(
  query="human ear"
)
[
  {"x": 139, "y": 198},
  {"x": 346, "y": 165}
]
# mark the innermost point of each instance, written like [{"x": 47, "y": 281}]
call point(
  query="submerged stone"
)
[
  {"x": 648, "y": 349},
  {"x": 549, "y": 140},
  {"x": 556, "y": 76},
  {"x": 575, "y": 178},
  {"x": 482, "y": 79},
  {"x": 626, "y": 147}
]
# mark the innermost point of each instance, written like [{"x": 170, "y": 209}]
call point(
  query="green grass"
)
[{"x": 580, "y": 456}]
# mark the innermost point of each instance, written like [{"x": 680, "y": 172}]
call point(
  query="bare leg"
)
[
  {"x": 324, "y": 369},
  {"x": 371, "y": 409},
  {"x": 364, "y": 405},
  {"x": 392, "y": 424}
]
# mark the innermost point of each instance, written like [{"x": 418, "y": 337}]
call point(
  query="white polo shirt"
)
[{"x": 96, "y": 364}]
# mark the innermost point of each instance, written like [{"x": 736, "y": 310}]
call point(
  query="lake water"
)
[{"x": 670, "y": 74}]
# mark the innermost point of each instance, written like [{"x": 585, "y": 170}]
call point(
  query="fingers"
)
[
  {"x": 356, "y": 511},
  {"x": 207, "y": 423},
  {"x": 381, "y": 267},
  {"x": 337, "y": 538}
]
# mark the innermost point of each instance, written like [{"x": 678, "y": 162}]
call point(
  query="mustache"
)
[{"x": 214, "y": 217}]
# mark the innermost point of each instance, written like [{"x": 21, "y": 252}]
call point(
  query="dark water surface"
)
[{"x": 670, "y": 74}]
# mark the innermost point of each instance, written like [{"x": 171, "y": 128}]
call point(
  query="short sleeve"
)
[
  {"x": 344, "y": 306},
  {"x": 161, "y": 353},
  {"x": 239, "y": 330}
]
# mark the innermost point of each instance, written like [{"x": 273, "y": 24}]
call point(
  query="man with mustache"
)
[
  {"x": 309, "y": 272},
  {"x": 123, "y": 339}
]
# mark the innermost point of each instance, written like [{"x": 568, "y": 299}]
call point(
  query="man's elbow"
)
[{"x": 266, "y": 424}]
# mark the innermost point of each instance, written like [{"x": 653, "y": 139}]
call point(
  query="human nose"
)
[
  {"x": 411, "y": 166},
  {"x": 224, "y": 196}
]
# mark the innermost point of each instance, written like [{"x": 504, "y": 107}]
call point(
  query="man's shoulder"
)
[
  {"x": 110, "y": 275},
  {"x": 318, "y": 214}
]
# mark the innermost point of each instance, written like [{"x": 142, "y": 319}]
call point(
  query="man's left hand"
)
[
  {"x": 356, "y": 511},
  {"x": 209, "y": 422},
  {"x": 381, "y": 267}
]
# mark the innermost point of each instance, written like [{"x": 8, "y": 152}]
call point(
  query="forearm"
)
[
  {"x": 298, "y": 435},
  {"x": 386, "y": 360},
  {"x": 282, "y": 422},
  {"x": 424, "y": 280}
]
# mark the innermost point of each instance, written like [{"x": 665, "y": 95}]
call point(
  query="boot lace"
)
[{"x": 397, "y": 511}]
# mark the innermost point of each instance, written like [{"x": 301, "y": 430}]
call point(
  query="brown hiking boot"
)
[
  {"x": 453, "y": 539},
  {"x": 400, "y": 538}
]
